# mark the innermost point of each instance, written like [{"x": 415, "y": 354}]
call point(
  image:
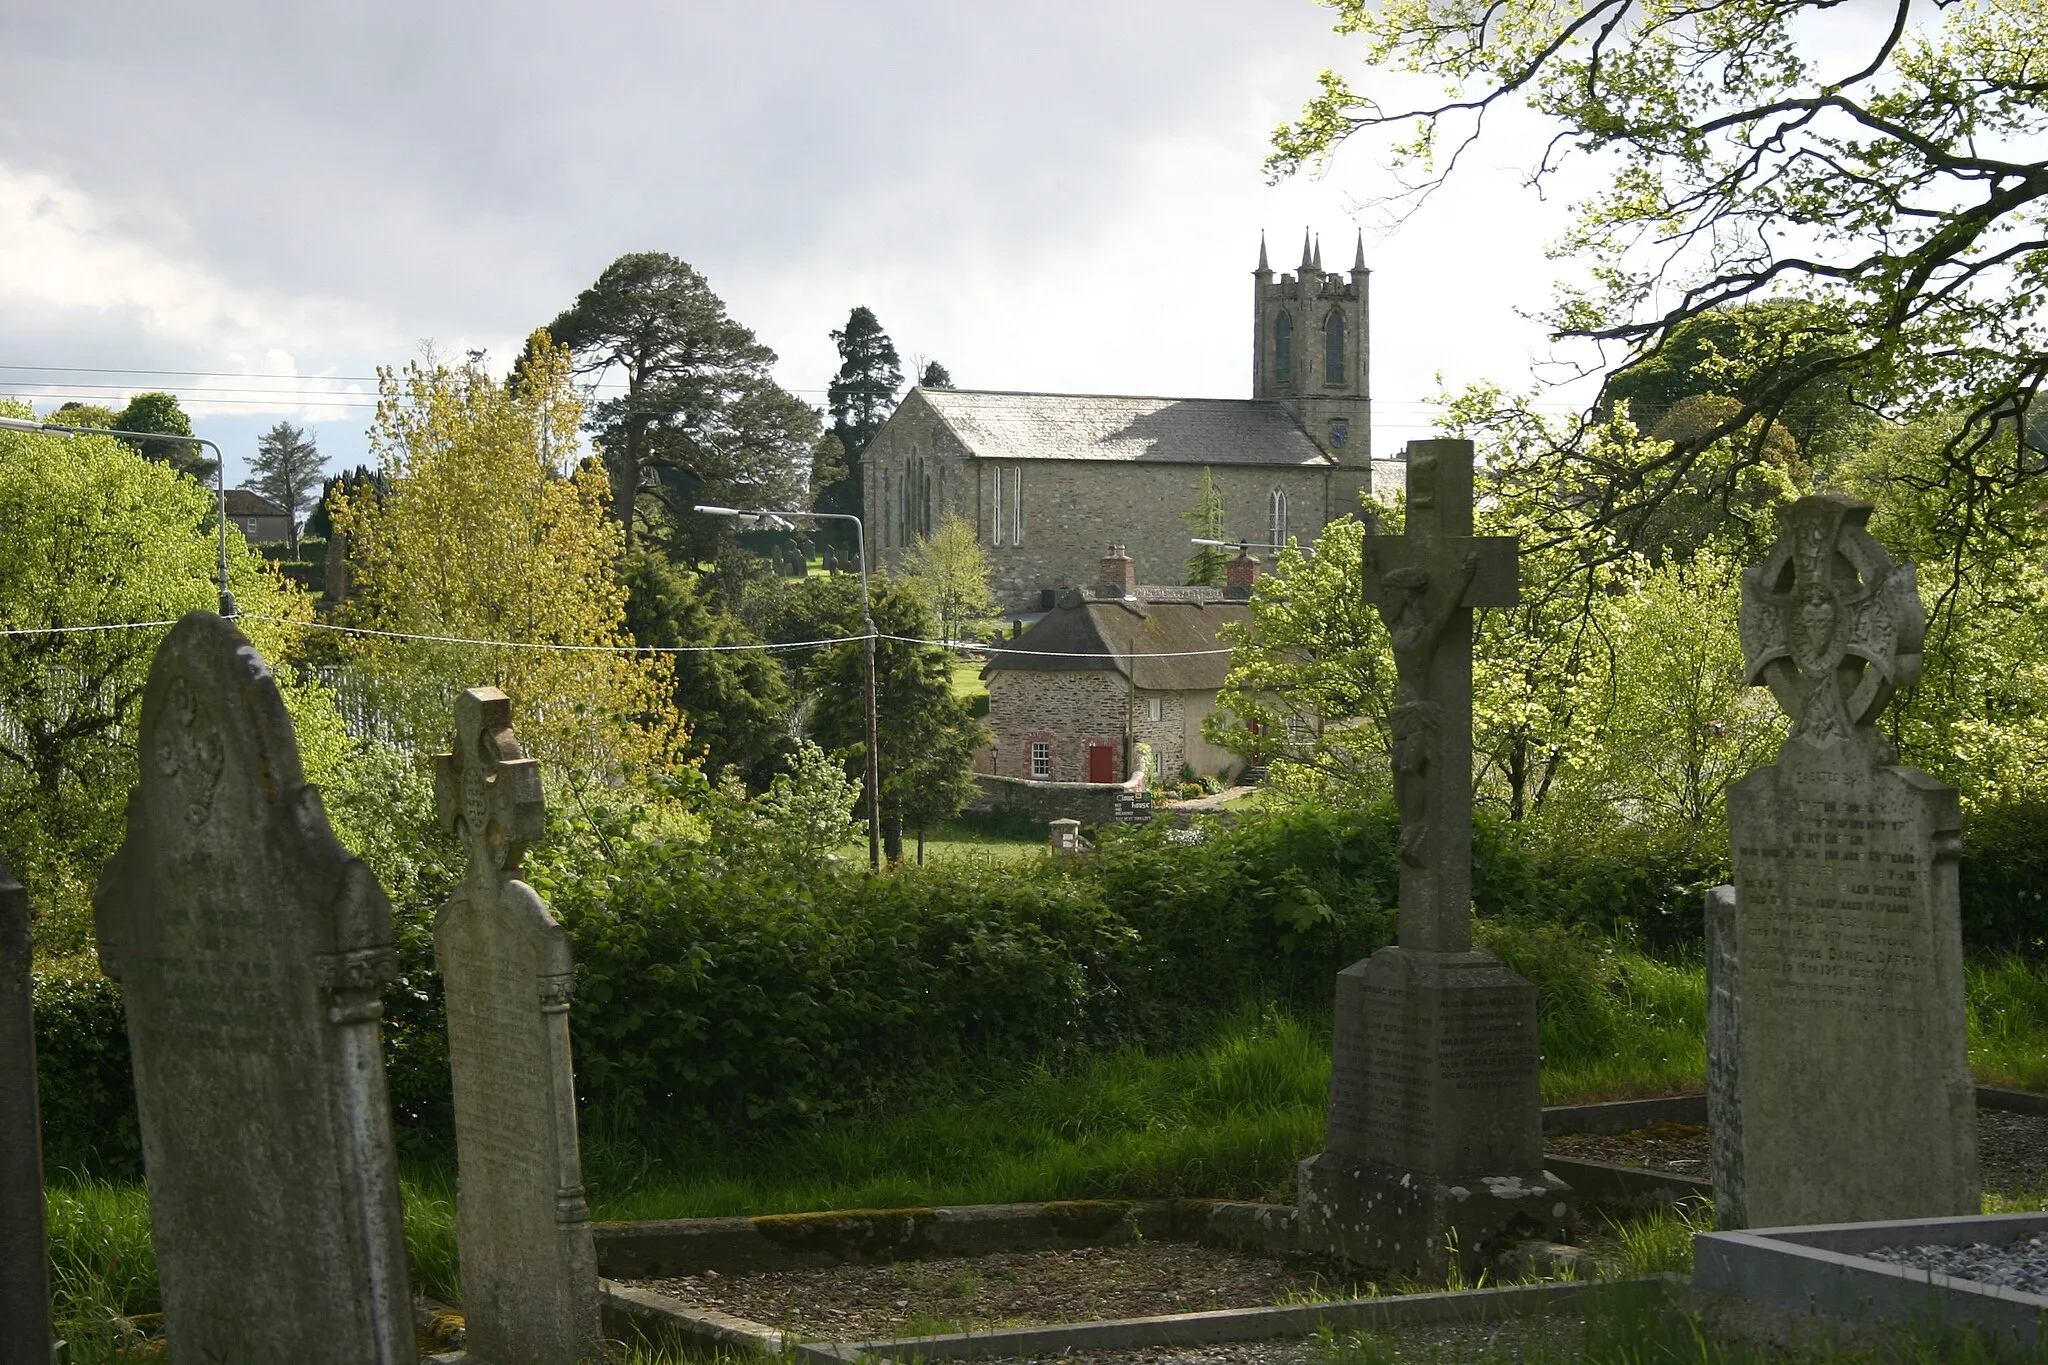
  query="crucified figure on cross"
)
[{"x": 1416, "y": 626}]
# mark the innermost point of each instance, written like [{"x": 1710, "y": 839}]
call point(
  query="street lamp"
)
[
  {"x": 220, "y": 478},
  {"x": 778, "y": 521}
]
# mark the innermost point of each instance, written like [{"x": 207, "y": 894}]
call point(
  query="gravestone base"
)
[
  {"x": 1423, "y": 1226},
  {"x": 1436, "y": 1118}
]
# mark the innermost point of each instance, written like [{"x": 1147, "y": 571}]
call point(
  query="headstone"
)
[
  {"x": 24, "y": 1258},
  {"x": 251, "y": 948},
  {"x": 1839, "y": 1084},
  {"x": 529, "y": 1269},
  {"x": 1434, "y": 1153}
]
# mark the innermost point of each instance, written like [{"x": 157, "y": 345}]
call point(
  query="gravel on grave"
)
[
  {"x": 2011, "y": 1148},
  {"x": 2020, "y": 1264},
  {"x": 1005, "y": 1289}
]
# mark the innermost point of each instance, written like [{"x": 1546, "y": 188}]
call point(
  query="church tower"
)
[{"x": 1311, "y": 352}]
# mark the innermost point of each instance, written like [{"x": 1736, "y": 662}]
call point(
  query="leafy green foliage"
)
[
  {"x": 159, "y": 413},
  {"x": 735, "y": 701},
  {"x": 1882, "y": 192}
]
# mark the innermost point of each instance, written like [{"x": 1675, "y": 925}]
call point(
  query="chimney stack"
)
[
  {"x": 1120, "y": 571},
  {"x": 1239, "y": 575}
]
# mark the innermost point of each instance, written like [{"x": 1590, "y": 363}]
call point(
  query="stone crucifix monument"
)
[
  {"x": 1838, "y": 1067},
  {"x": 529, "y": 1268},
  {"x": 24, "y": 1258},
  {"x": 251, "y": 948},
  {"x": 1435, "y": 1148}
]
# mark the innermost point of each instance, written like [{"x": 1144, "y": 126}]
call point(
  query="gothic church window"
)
[
  {"x": 1016, "y": 504},
  {"x": 995, "y": 522},
  {"x": 1333, "y": 348},
  {"x": 1276, "y": 520},
  {"x": 1283, "y": 349}
]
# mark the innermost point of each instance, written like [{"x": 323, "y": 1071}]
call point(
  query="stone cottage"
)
[
  {"x": 1048, "y": 478},
  {"x": 1115, "y": 664}
]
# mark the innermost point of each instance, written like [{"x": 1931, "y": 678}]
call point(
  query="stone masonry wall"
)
[
  {"x": 1069, "y": 708},
  {"x": 1074, "y": 509}
]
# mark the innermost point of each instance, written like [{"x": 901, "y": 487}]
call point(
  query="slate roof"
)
[
  {"x": 247, "y": 502},
  {"x": 1089, "y": 629},
  {"x": 1091, "y": 426}
]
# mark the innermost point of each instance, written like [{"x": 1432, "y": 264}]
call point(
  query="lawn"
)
[{"x": 1229, "y": 1118}]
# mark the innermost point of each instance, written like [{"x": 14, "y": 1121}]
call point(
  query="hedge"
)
[{"x": 708, "y": 998}]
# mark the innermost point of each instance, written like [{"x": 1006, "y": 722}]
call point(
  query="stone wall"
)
[
  {"x": 1072, "y": 510},
  {"x": 1066, "y": 708},
  {"x": 1092, "y": 803}
]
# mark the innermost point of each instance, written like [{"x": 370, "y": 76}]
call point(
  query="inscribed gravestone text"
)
[
  {"x": 1839, "y": 1084},
  {"x": 529, "y": 1268},
  {"x": 251, "y": 948}
]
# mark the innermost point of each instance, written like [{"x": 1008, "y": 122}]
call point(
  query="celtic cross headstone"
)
[
  {"x": 252, "y": 948},
  {"x": 24, "y": 1259},
  {"x": 1434, "y": 1151},
  {"x": 529, "y": 1269},
  {"x": 1839, "y": 1085}
]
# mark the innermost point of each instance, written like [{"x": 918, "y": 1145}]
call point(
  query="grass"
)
[
  {"x": 962, "y": 840},
  {"x": 1228, "y": 1119},
  {"x": 966, "y": 679}
]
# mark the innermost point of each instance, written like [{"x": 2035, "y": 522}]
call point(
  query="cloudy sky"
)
[{"x": 254, "y": 204}]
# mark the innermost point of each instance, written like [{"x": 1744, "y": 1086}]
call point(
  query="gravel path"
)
[
  {"x": 855, "y": 1302},
  {"x": 2021, "y": 1264},
  {"x": 2012, "y": 1149}
]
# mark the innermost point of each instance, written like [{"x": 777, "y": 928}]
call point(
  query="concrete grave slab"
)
[{"x": 1819, "y": 1281}]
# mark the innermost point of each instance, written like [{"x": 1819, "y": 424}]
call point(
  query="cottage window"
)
[
  {"x": 1276, "y": 520},
  {"x": 1154, "y": 708},
  {"x": 1283, "y": 349},
  {"x": 1041, "y": 758},
  {"x": 1333, "y": 348}
]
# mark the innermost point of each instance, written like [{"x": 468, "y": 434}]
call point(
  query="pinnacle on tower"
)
[
  {"x": 1265, "y": 269},
  {"x": 1307, "y": 261},
  {"x": 1319, "y": 255},
  {"x": 1358, "y": 264}
]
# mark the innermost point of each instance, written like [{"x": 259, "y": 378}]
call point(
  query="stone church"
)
[{"x": 1049, "y": 479}]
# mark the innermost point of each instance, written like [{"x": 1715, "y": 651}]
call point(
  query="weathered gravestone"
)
[
  {"x": 1839, "y": 1082},
  {"x": 529, "y": 1269},
  {"x": 1435, "y": 1145},
  {"x": 24, "y": 1261},
  {"x": 250, "y": 947}
]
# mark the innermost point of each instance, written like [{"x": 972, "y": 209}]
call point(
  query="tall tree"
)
[
  {"x": 935, "y": 376},
  {"x": 927, "y": 737},
  {"x": 859, "y": 398},
  {"x": 1891, "y": 176},
  {"x": 358, "y": 481},
  {"x": 701, "y": 419},
  {"x": 477, "y": 535},
  {"x": 159, "y": 413},
  {"x": 287, "y": 468}
]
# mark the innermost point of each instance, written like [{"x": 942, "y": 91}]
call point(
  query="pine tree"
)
[
  {"x": 860, "y": 398},
  {"x": 287, "y": 468},
  {"x": 935, "y": 376}
]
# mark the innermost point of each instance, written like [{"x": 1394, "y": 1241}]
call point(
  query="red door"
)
[{"x": 1101, "y": 763}]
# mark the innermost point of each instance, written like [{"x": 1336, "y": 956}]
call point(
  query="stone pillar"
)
[
  {"x": 1435, "y": 1150},
  {"x": 24, "y": 1258}
]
